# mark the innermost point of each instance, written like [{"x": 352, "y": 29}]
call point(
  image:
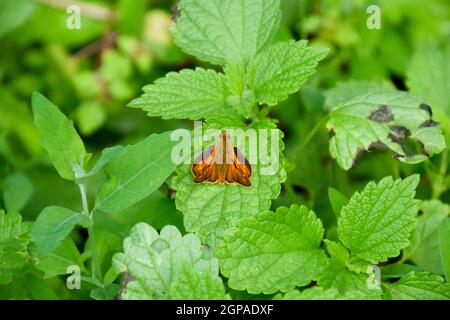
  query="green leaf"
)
[
  {"x": 424, "y": 248},
  {"x": 418, "y": 286},
  {"x": 281, "y": 69},
  {"x": 376, "y": 223},
  {"x": 107, "y": 292},
  {"x": 166, "y": 265},
  {"x": 337, "y": 251},
  {"x": 107, "y": 155},
  {"x": 188, "y": 94},
  {"x": 54, "y": 224},
  {"x": 13, "y": 14},
  {"x": 444, "y": 235},
  {"x": 136, "y": 172},
  {"x": 209, "y": 209},
  {"x": 190, "y": 284},
  {"x": 428, "y": 75},
  {"x": 398, "y": 270},
  {"x": 337, "y": 200},
  {"x": 273, "y": 251},
  {"x": 17, "y": 190},
  {"x": 13, "y": 245},
  {"x": 319, "y": 293},
  {"x": 384, "y": 118},
  {"x": 56, "y": 262},
  {"x": 344, "y": 91},
  {"x": 58, "y": 137},
  {"x": 336, "y": 275},
  {"x": 226, "y": 31}
]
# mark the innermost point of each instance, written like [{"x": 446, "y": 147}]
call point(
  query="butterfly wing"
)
[
  {"x": 204, "y": 167},
  {"x": 240, "y": 170}
]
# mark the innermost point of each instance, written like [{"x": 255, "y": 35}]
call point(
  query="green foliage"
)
[
  {"x": 135, "y": 172},
  {"x": 385, "y": 118},
  {"x": 168, "y": 266},
  {"x": 376, "y": 223},
  {"x": 58, "y": 137},
  {"x": 317, "y": 222},
  {"x": 254, "y": 252},
  {"x": 288, "y": 65},
  {"x": 53, "y": 225},
  {"x": 226, "y": 31},
  {"x": 419, "y": 286}
]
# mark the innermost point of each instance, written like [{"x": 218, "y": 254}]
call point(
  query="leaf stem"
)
[
  {"x": 395, "y": 169},
  {"x": 310, "y": 135},
  {"x": 96, "y": 270}
]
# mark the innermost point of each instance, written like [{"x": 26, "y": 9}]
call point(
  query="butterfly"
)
[{"x": 222, "y": 163}]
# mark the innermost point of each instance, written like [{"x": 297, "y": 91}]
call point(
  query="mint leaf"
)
[
  {"x": 209, "y": 209},
  {"x": 164, "y": 265},
  {"x": 376, "y": 223},
  {"x": 17, "y": 190},
  {"x": 337, "y": 251},
  {"x": 188, "y": 94},
  {"x": 54, "y": 224},
  {"x": 418, "y": 286},
  {"x": 444, "y": 235},
  {"x": 13, "y": 245},
  {"x": 56, "y": 262},
  {"x": 136, "y": 172},
  {"x": 58, "y": 137},
  {"x": 273, "y": 251},
  {"x": 385, "y": 118},
  {"x": 424, "y": 248},
  {"x": 281, "y": 69},
  {"x": 428, "y": 75},
  {"x": 226, "y": 31}
]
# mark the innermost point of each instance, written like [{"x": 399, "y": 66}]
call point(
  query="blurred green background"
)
[{"x": 93, "y": 72}]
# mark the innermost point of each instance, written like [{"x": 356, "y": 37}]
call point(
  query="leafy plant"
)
[{"x": 314, "y": 228}]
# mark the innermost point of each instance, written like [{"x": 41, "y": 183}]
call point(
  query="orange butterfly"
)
[{"x": 222, "y": 163}]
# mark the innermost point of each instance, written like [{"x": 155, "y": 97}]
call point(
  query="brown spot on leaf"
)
[
  {"x": 427, "y": 108},
  {"x": 382, "y": 115},
  {"x": 428, "y": 123}
]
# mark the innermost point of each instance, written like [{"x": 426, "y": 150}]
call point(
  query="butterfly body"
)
[{"x": 222, "y": 163}]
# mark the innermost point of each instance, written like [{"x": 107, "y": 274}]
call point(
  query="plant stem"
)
[
  {"x": 395, "y": 169},
  {"x": 96, "y": 270},
  {"x": 439, "y": 185},
  {"x": 310, "y": 135}
]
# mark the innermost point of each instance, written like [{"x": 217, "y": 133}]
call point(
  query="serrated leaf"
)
[
  {"x": 136, "y": 172},
  {"x": 209, "y": 209},
  {"x": 428, "y": 75},
  {"x": 54, "y": 224},
  {"x": 337, "y": 251},
  {"x": 273, "y": 251},
  {"x": 281, "y": 69},
  {"x": 17, "y": 190},
  {"x": 226, "y": 31},
  {"x": 162, "y": 265},
  {"x": 376, "y": 223},
  {"x": 444, "y": 244},
  {"x": 13, "y": 245},
  {"x": 57, "y": 262},
  {"x": 188, "y": 94},
  {"x": 418, "y": 286},
  {"x": 385, "y": 118},
  {"x": 424, "y": 248},
  {"x": 58, "y": 137}
]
